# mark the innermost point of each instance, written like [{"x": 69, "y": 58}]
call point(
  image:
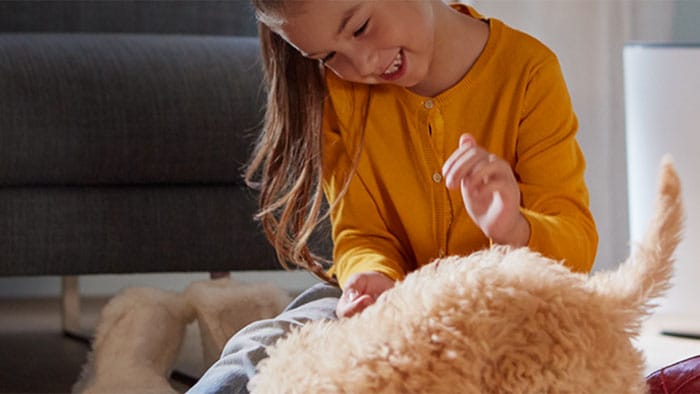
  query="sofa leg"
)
[
  {"x": 70, "y": 307},
  {"x": 219, "y": 274}
]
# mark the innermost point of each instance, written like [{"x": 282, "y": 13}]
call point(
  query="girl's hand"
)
[
  {"x": 489, "y": 190},
  {"x": 362, "y": 290}
]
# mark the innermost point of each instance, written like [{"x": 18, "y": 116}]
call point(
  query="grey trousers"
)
[{"x": 231, "y": 373}]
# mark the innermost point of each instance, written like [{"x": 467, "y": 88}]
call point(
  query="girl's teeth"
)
[{"x": 395, "y": 65}]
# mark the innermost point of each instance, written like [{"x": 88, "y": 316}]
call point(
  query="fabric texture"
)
[
  {"x": 220, "y": 17},
  {"x": 398, "y": 215},
  {"x": 63, "y": 230},
  {"x": 127, "y": 109},
  {"x": 244, "y": 350}
]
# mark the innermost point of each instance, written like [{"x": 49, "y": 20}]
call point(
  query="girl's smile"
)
[{"x": 396, "y": 69}]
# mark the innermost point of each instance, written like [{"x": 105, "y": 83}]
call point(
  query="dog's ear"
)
[{"x": 647, "y": 272}]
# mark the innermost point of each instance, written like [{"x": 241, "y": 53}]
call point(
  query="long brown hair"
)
[{"x": 287, "y": 158}]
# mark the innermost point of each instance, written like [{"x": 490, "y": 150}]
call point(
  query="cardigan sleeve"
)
[
  {"x": 550, "y": 168},
  {"x": 362, "y": 241}
]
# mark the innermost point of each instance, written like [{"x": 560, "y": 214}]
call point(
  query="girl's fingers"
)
[
  {"x": 357, "y": 305},
  {"x": 466, "y": 142},
  {"x": 451, "y": 161},
  {"x": 493, "y": 177},
  {"x": 487, "y": 171},
  {"x": 481, "y": 190},
  {"x": 461, "y": 166},
  {"x": 466, "y": 139},
  {"x": 465, "y": 166}
]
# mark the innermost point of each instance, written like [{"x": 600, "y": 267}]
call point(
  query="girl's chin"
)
[
  {"x": 415, "y": 77},
  {"x": 416, "y": 85}
]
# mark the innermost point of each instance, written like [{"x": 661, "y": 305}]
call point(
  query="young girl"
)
[{"x": 431, "y": 130}]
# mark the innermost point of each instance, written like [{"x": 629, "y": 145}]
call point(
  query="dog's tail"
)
[{"x": 646, "y": 274}]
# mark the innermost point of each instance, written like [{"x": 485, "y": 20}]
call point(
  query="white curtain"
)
[{"x": 588, "y": 37}]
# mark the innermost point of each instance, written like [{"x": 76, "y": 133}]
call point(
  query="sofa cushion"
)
[
  {"x": 93, "y": 109},
  {"x": 85, "y": 230},
  {"x": 215, "y": 17}
]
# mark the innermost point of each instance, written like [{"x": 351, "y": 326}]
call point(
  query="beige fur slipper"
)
[
  {"x": 224, "y": 306},
  {"x": 137, "y": 339}
]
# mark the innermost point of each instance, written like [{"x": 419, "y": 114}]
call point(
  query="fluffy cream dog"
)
[{"x": 498, "y": 321}]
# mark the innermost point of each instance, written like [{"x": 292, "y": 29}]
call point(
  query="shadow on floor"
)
[
  {"x": 39, "y": 362},
  {"x": 35, "y": 355}
]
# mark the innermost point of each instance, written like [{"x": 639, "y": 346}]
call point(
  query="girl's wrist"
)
[{"x": 518, "y": 236}]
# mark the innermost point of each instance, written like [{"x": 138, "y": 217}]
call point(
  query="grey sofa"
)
[{"x": 124, "y": 126}]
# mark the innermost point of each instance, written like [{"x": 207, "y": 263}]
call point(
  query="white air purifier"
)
[{"x": 662, "y": 108}]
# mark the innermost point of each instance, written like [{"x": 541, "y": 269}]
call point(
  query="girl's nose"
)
[{"x": 366, "y": 62}]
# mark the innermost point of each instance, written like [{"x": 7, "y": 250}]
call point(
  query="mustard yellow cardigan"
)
[{"x": 398, "y": 215}]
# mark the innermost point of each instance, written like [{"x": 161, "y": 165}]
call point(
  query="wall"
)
[{"x": 687, "y": 21}]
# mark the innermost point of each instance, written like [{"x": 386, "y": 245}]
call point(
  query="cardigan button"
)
[
  {"x": 428, "y": 104},
  {"x": 437, "y": 177}
]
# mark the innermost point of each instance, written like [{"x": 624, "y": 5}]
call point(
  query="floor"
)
[{"x": 35, "y": 356}]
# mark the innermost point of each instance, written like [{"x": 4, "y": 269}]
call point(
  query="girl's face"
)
[{"x": 366, "y": 41}]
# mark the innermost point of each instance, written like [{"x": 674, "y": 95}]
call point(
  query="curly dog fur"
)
[{"x": 499, "y": 320}]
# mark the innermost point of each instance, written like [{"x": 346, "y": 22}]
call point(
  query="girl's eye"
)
[
  {"x": 361, "y": 30},
  {"x": 328, "y": 57}
]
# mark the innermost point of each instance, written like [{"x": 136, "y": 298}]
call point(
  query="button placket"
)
[
  {"x": 435, "y": 124},
  {"x": 434, "y": 140}
]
